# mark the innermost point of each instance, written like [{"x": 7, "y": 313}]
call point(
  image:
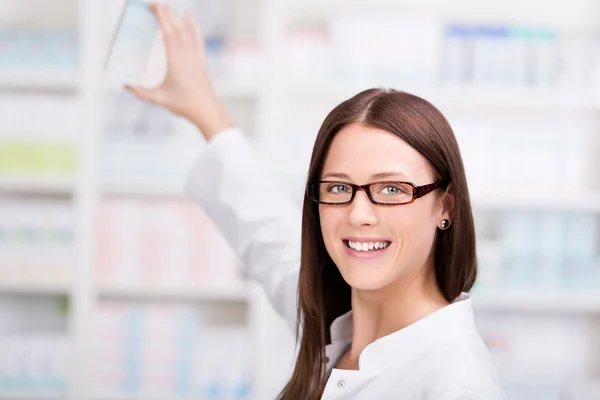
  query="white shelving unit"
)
[
  {"x": 270, "y": 100},
  {"x": 62, "y": 15},
  {"x": 233, "y": 303}
]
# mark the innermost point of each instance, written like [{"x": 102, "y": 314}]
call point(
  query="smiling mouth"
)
[{"x": 367, "y": 247}]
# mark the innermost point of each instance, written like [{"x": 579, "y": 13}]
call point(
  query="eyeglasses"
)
[{"x": 386, "y": 193}]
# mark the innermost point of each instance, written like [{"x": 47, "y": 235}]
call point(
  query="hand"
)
[{"x": 187, "y": 89}]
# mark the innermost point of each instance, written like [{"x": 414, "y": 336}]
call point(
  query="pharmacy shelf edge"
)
[
  {"x": 150, "y": 397},
  {"x": 562, "y": 302},
  {"x": 31, "y": 396},
  {"x": 150, "y": 191},
  {"x": 452, "y": 98},
  {"x": 575, "y": 201},
  {"x": 54, "y": 186},
  {"x": 552, "y": 302},
  {"x": 35, "y": 289},
  {"x": 48, "y": 81},
  {"x": 233, "y": 293}
]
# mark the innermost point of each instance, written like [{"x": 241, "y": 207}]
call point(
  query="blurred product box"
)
[
  {"x": 520, "y": 345},
  {"x": 543, "y": 251},
  {"x": 38, "y": 135},
  {"x": 161, "y": 244},
  {"x": 37, "y": 158},
  {"x": 360, "y": 44},
  {"x": 167, "y": 350},
  {"x": 34, "y": 364},
  {"x": 37, "y": 243},
  {"x": 352, "y": 49},
  {"x": 144, "y": 145},
  {"x": 36, "y": 349},
  {"x": 505, "y": 155},
  {"x": 500, "y": 55},
  {"x": 38, "y": 50}
]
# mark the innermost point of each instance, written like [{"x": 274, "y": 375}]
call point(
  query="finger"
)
[
  {"x": 174, "y": 19},
  {"x": 192, "y": 28},
  {"x": 164, "y": 21}
]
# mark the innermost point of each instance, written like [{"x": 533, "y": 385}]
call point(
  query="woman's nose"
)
[{"x": 362, "y": 211}]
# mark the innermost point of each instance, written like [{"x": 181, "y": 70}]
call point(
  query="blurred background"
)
[{"x": 115, "y": 285}]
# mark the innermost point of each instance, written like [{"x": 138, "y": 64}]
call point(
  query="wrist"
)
[{"x": 210, "y": 116}]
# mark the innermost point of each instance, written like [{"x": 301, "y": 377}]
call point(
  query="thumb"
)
[{"x": 143, "y": 93}]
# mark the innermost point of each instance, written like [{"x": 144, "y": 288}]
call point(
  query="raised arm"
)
[{"x": 256, "y": 216}]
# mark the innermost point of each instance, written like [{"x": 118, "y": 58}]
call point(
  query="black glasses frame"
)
[{"x": 418, "y": 191}]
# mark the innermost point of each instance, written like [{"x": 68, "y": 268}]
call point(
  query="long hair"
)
[{"x": 323, "y": 295}]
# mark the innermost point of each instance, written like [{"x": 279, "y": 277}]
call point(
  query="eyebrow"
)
[{"x": 381, "y": 175}]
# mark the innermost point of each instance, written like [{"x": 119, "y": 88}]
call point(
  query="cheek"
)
[
  {"x": 330, "y": 219},
  {"x": 413, "y": 226}
]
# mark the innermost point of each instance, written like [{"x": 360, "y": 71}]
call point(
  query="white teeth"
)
[{"x": 367, "y": 246}]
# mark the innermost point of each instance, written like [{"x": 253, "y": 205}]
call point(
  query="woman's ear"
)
[{"x": 447, "y": 205}]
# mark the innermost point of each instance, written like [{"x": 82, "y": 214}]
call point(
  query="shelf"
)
[
  {"x": 224, "y": 89},
  {"x": 35, "y": 288},
  {"x": 513, "y": 98},
  {"x": 66, "y": 81},
  {"x": 143, "y": 191},
  {"x": 37, "y": 185},
  {"x": 233, "y": 293},
  {"x": 549, "y": 302},
  {"x": 144, "y": 397},
  {"x": 452, "y": 98},
  {"x": 32, "y": 396},
  {"x": 585, "y": 202}
]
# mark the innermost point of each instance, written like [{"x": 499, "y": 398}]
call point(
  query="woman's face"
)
[{"x": 361, "y": 155}]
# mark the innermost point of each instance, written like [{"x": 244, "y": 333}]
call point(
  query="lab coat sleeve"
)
[{"x": 256, "y": 216}]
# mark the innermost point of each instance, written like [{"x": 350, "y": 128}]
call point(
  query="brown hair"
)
[{"x": 323, "y": 295}]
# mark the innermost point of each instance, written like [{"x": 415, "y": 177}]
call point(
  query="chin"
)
[{"x": 364, "y": 280}]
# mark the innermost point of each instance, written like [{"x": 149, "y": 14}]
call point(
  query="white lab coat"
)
[{"x": 440, "y": 357}]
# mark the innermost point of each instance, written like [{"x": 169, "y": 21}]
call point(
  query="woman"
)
[{"x": 387, "y": 244}]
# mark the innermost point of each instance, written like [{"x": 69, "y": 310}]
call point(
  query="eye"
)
[
  {"x": 395, "y": 189},
  {"x": 338, "y": 188}
]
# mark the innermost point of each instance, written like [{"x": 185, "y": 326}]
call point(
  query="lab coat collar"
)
[{"x": 430, "y": 329}]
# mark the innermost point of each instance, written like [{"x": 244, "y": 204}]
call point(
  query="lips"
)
[{"x": 366, "y": 247}]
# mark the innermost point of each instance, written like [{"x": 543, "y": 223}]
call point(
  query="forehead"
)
[{"x": 361, "y": 152}]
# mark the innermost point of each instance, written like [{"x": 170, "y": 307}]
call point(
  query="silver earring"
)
[{"x": 445, "y": 224}]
